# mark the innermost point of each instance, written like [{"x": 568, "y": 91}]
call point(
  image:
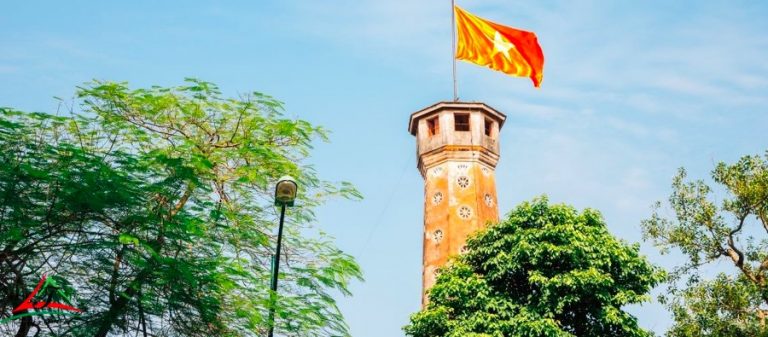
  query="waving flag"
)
[{"x": 509, "y": 50}]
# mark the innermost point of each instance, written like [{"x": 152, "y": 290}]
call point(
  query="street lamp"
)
[{"x": 285, "y": 194}]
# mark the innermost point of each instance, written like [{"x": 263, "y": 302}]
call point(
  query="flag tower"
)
[
  {"x": 457, "y": 149},
  {"x": 458, "y": 142}
]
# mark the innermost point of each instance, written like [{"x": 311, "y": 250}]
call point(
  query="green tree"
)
[
  {"x": 156, "y": 206},
  {"x": 47, "y": 193},
  {"x": 734, "y": 230},
  {"x": 545, "y": 270}
]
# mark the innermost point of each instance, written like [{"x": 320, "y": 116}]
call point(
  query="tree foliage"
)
[
  {"x": 156, "y": 206},
  {"x": 705, "y": 231},
  {"x": 545, "y": 270}
]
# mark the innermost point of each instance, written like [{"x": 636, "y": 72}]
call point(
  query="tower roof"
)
[{"x": 459, "y": 106}]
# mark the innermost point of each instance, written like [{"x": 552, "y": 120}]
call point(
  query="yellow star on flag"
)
[{"x": 501, "y": 45}]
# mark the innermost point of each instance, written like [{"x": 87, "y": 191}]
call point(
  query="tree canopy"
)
[
  {"x": 545, "y": 270},
  {"x": 154, "y": 208},
  {"x": 705, "y": 230}
]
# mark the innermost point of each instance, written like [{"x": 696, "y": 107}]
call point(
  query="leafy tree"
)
[
  {"x": 546, "y": 270},
  {"x": 734, "y": 302},
  {"x": 156, "y": 206},
  {"x": 47, "y": 193}
]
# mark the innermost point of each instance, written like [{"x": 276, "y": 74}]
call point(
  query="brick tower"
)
[{"x": 457, "y": 147}]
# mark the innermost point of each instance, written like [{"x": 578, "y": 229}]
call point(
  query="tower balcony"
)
[{"x": 456, "y": 131}]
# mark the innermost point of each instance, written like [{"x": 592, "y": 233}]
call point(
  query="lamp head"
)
[{"x": 285, "y": 191}]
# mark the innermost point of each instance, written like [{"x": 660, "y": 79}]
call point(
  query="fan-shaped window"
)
[
  {"x": 437, "y": 198},
  {"x": 463, "y": 181},
  {"x": 437, "y": 236},
  {"x": 488, "y": 200},
  {"x": 464, "y": 212}
]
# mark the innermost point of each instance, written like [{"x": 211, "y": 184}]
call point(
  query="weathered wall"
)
[{"x": 459, "y": 199}]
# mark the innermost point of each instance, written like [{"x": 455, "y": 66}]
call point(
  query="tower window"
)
[
  {"x": 488, "y": 200},
  {"x": 437, "y": 198},
  {"x": 433, "y": 126},
  {"x": 464, "y": 212},
  {"x": 463, "y": 181},
  {"x": 437, "y": 236},
  {"x": 488, "y": 127},
  {"x": 461, "y": 122}
]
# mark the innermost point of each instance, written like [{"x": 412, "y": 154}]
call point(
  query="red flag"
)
[{"x": 512, "y": 51}]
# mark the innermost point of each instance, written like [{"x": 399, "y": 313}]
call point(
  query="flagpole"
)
[{"x": 453, "y": 49}]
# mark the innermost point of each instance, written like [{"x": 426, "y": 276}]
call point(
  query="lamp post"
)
[{"x": 285, "y": 194}]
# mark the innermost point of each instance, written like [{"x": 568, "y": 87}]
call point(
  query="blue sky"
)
[{"x": 632, "y": 90}]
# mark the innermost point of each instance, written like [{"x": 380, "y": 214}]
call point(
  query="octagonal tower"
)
[{"x": 457, "y": 149}]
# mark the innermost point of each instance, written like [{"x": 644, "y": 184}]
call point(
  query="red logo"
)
[{"x": 35, "y": 307}]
